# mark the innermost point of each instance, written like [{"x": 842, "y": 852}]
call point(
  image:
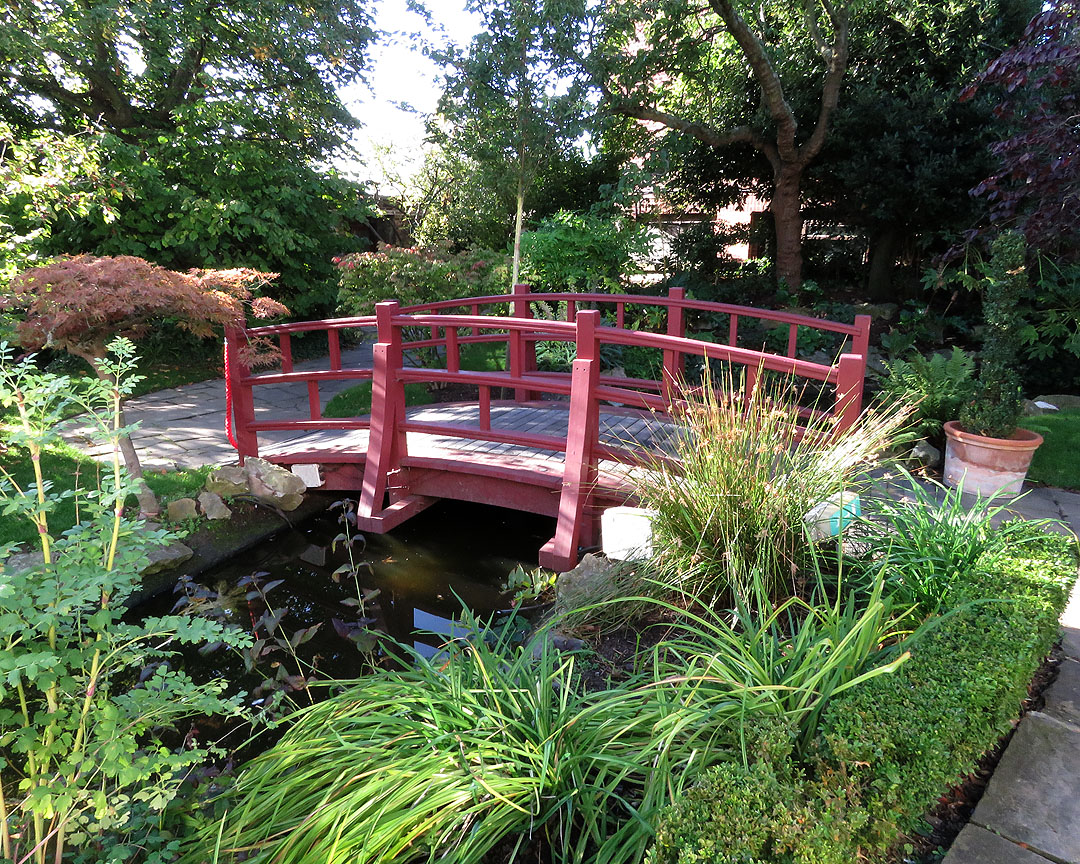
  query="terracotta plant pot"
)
[{"x": 989, "y": 467}]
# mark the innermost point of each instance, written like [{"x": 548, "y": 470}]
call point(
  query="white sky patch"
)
[{"x": 405, "y": 86}]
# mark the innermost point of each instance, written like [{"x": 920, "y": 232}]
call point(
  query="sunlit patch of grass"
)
[{"x": 1057, "y": 461}]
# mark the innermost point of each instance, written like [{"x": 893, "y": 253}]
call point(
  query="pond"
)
[{"x": 320, "y": 606}]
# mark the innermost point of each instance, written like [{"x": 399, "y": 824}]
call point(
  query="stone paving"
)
[{"x": 1030, "y": 812}]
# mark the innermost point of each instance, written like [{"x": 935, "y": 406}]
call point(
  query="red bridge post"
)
[
  {"x": 674, "y": 371},
  {"x": 579, "y": 473},
  {"x": 238, "y": 389},
  {"x": 522, "y": 348},
  {"x": 386, "y": 444}
]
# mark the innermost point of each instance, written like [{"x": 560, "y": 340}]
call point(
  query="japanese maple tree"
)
[
  {"x": 1037, "y": 189},
  {"x": 79, "y": 304}
]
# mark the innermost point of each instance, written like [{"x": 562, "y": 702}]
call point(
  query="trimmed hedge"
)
[{"x": 888, "y": 749}]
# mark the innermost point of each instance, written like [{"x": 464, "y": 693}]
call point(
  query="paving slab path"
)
[{"x": 1030, "y": 812}]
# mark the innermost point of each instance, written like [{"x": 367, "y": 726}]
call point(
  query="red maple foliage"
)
[
  {"x": 1037, "y": 190},
  {"x": 79, "y": 304}
]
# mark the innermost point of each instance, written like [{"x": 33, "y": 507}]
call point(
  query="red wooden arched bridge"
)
[{"x": 555, "y": 443}]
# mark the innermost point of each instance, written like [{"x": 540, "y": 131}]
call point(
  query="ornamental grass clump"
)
[{"x": 747, "y": 470}]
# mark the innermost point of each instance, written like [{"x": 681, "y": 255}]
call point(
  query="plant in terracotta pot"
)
[{"x": 985, "y": 450}]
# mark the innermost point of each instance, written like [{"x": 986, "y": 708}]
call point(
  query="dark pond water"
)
[{"x": 316, "y": 613}]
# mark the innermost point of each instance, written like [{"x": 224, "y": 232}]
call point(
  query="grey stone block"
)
[
  {"x": 975, "y": 845},
  {"x": 1063, "y": 696},
  {"x": 1032, "y": 796}
]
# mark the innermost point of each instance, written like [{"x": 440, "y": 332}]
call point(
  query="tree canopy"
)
[
  {"x": 516, "y": 97},
  {"x": 263, "y": 70}
]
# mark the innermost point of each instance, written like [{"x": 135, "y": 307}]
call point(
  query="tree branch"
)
[
  {"x": 765, "y": 75},
  {"x": 836, "y": 63},
  {"x": 703, "y": 132}
]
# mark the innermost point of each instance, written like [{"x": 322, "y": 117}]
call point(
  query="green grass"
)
[
  {"x": 69, "y": 469},
  {"x": 484, "y": 357},
  {"x": 475, "y": 357},
  {"x": 356, "y": 401},
  {"x": 1057, "y": 461}
]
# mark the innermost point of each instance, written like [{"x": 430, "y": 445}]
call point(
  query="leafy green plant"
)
[
  {"x": 884, "y": 752},
  {"x": 581, "y": 252},
  {"x": 901, "y": 740},
  {"x": 731, "y": 510},
  {"x": 413, "y": 275},
  {"x": 994, "y": 409},
  {"x": 938, "y": 386},
  {"x": 88, "y": 700},
  {"x": 928, "y": 541}
]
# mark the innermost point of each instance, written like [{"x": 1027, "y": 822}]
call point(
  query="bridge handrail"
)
[{"x": 586, "y": 387}]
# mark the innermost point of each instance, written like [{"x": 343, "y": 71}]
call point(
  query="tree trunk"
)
[
  {"x": 883, "y": 248},
  {"x": 787, "y": 218},
  {"x": 148, "y": 503},
  {"x": 517, "y": 227}
]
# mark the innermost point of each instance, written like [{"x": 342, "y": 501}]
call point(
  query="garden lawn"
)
[
  {"x": 67, "y": 469},
  {"x": 1057, "y": 461}
]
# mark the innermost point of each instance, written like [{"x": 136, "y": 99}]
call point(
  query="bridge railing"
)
[{"x": 583, "y": 389}]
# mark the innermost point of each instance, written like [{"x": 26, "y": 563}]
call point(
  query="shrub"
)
[
  {"x": 938, "y": 387},
  {"x": 994, "y": 409},
  {"x": 886, "y": 750},
  {"x": 901, "y": 741},
  {"x": 767, "y": 811},
  {"x": 582, "y": 252},
  {"x": 732, "y": 510},
  {"x": 414, "y": 276},
  {"x": 89, "y": 704}
]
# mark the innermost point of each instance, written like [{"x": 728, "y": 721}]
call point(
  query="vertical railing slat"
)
[{"x": 286, "y": 353}]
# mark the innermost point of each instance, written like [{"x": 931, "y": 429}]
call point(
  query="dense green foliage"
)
[
  {"x": 184, "y": 67},
  {"x": 413, "y": 276},
  {"x": 203, "y": 135},
  {"x": 89, "y": 701},
  {"x": 582, "y": 252},
  {"x": 235, "y": 204},
  {"x": 887, "y": 750},
  {"x": 938, "y": 386},
  {"x": 994, "y": 408}
]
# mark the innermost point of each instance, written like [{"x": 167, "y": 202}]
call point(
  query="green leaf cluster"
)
[
  {"x": 87, "y": 698},
  {"x": 582, "y": 252},
  {"x": 938, "y": 386}
]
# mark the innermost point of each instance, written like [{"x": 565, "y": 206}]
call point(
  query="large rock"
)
[
  {"x": 181, "y": 509},
  {"x": 274, "y": 485},
  {"x": 229, "y": 480},
  {"x": 213, "y": 507},
  {"x": 925, "y": 454},
  {"x": 590, "y": 582},
  {"x": 159, "y": 558},
  {"x": 166, "y": 557}
]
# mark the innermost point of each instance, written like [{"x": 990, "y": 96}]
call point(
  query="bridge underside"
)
[{"x": 468, "y": 468}]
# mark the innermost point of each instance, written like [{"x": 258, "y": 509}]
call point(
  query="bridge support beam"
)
[{"x": 579, "y": 475}]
